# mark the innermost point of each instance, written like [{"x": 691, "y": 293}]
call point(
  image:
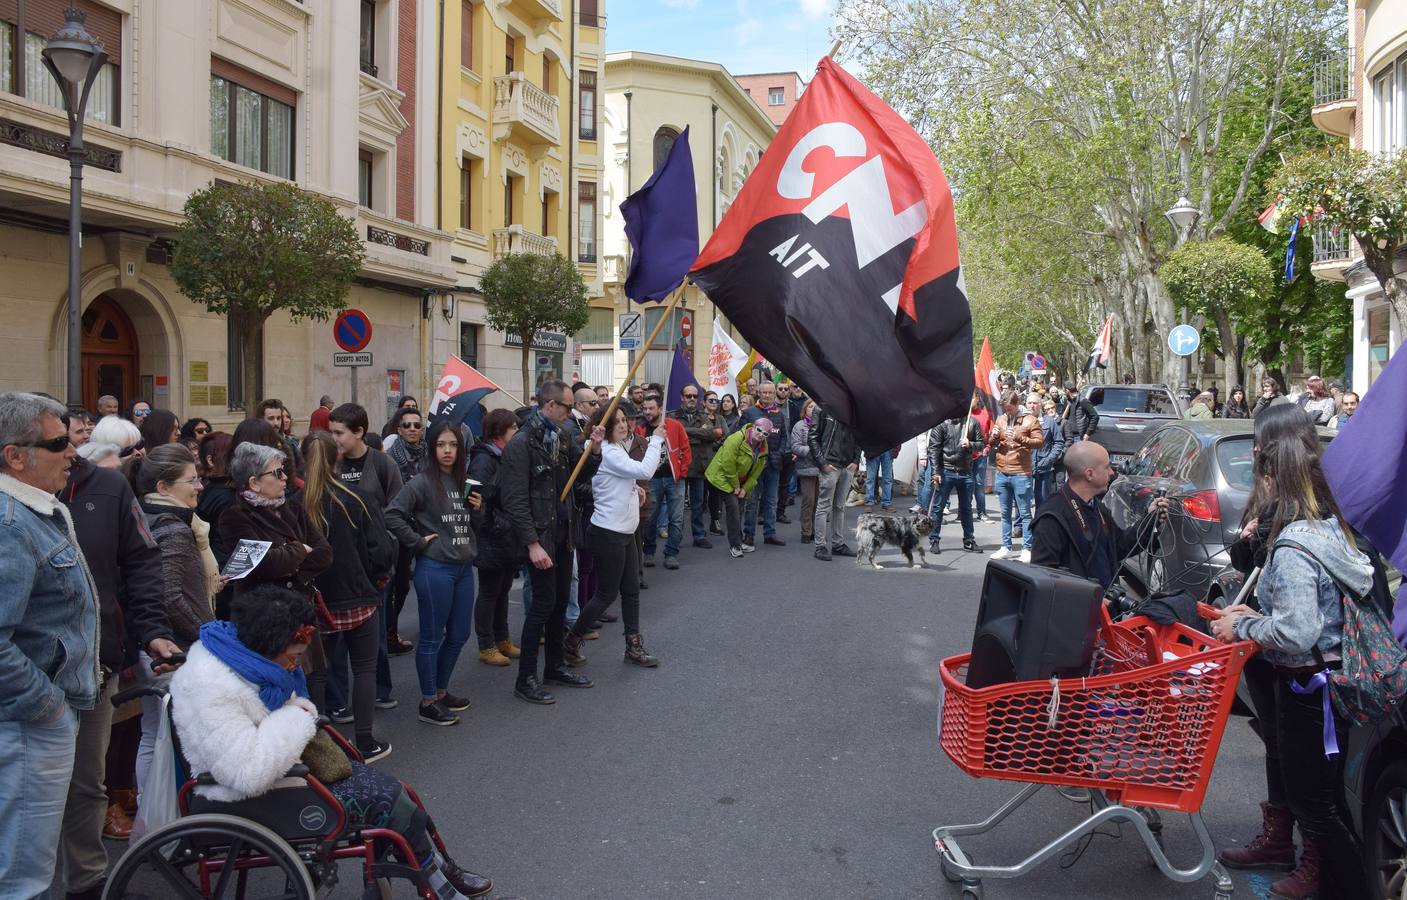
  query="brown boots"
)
[{"x": 1274, "y": 848}]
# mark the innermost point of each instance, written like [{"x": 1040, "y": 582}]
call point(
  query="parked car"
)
[
  {"x": 1127, "y": 413},
  {"x": 1205, "y": 466}
]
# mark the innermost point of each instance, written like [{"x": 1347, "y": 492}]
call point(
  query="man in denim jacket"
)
[{"x": 48, "y": 640}]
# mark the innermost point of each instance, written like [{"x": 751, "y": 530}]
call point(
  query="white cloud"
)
[{"x": 816, "y": 9}]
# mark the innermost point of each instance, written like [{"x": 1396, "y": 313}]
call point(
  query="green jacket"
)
[
  {"x": 1199, "y": 411},
  {"x": 736, "y": 464}
]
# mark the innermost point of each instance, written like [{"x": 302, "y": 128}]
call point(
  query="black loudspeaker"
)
[{"x": 1033, "y": 623}]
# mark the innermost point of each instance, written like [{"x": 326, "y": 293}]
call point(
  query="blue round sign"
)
[
  {"x": 1184, "y": 340},
  {"x": 352, "y": 330}
]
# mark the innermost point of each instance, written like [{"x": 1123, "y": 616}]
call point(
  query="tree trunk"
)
[
  {"x": 1381, "y": 263},
  {"x": 528, "y": 386},
  {"x": 250, "y": 327},
  {"x": 1231, "y": 354}
]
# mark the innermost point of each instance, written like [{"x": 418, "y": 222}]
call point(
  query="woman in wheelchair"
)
[{"x": 241, "y": 709}]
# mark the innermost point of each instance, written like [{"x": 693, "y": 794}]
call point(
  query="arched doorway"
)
[{"x": 110, "y": 353}]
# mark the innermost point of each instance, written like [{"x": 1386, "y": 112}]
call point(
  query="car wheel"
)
[{"x": 1385, "y": 833}]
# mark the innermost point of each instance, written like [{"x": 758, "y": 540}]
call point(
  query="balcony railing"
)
[
  {"x": 1331, "y": 243},
  {"x": 515, "y": 239},
  {"x": 1334, "y": 78},
  {"x": 525, "y": 107},
  {"x": 370, "y": 67}
]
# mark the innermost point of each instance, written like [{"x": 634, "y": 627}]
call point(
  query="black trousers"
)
[
  {"x": 362, "y": 645},
  {"x": 715, "y": 503},
  {"x": 546, "y": 619},
  {"x": 1259, "y": 677},
  {"x": 1313, "y": 785},
  {"x": 400, "y": 588},
  {"x": 617, "y": 559},
  {"x": 491, "y": 607}
]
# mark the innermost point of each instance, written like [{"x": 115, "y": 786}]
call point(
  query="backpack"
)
[{"x": 1372, "y": 680}]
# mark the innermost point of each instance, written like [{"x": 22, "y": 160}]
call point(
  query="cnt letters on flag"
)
[
  {"x": 838, "y": 261},
  {"x": 457, "y": 396}
]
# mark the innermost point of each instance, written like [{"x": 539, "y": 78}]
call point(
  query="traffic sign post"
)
[
  {"x": 632, "y": 328},
  {"x": 352, "y": 332},
  {"x": 1184, "y": 340}
]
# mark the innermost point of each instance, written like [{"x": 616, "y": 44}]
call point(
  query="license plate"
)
[{"x": 1119, "y": 458}]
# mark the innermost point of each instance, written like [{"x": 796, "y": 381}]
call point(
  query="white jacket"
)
[{"x": 225, "y": 730}]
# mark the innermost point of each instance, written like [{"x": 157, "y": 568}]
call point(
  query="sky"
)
[{"x": 746, "y": 36}]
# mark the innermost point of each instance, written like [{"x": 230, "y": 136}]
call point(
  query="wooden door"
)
[{"x": 110, "y": 354}]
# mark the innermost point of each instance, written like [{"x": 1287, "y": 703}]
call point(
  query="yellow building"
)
[{"x": 515, "y": 101}]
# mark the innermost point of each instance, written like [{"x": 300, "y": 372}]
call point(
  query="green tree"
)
[
  {"x": 246, "y": 250},
  {"x": 1220, "y": 278},
  {"x": 1359, "y": 193},
  {"x": 525, "y": 293}
]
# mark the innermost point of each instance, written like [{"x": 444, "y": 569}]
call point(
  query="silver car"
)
[{"x": 1128, "y": 413}]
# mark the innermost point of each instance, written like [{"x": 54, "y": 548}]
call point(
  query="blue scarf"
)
[{"x": 275, "y": 683}]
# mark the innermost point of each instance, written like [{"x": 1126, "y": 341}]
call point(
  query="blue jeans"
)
[
  {"x": 445, "y": 592},
  {"x": 36, "y": 764},
  {"x": 1044, "y": 485},
  {"x": 979, "y": 484},
  {"x": 925, "y": 489},
  {"x": 963, "y": 485},
  {"x": 883, "y": 463},
  {"x": 667, "y": 492},
  {"x": 1014, "y": 494},
  {"x": 698, "y": 506},
  {"x": 764, "y": 497}
]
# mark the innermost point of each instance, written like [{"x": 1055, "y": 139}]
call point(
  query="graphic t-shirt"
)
[{"x": 349, "y": 471}]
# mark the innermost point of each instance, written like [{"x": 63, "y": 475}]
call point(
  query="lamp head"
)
[
  {"x": 1183, "y": 215},
  {"x": 72, "y": 49}
]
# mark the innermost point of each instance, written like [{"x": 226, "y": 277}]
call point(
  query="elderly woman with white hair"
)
[
  {"x": 118, "y": 432},
  {"x": 297, "y": 550}
]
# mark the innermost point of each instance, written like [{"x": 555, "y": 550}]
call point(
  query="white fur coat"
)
[{"x": 225, "y": 730}]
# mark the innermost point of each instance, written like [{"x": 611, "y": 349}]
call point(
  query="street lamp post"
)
[
  {"x": 74, "y": 58},
  {"x": 1183, "y": 218}
]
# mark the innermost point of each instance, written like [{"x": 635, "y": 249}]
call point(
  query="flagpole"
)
[{"x": 629, "y": 378}]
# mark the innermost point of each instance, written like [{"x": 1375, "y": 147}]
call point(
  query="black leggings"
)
[
  {"x": 491, "y": 609},
  {"x": 617, "y": 572},
  {"x": 363, "y": 643},
  {"x": 400, "y": 588}
]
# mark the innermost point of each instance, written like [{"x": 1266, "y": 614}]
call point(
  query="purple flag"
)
[
  {"x": 1366, "y": 466},
  {"x": 662, "y": 223},
  {"x": 681, "y": 375}
]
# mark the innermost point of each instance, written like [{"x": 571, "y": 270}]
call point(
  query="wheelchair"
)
[{"x": 282, "y": 845}]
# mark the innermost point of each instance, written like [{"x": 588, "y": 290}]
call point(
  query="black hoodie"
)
[{"x": 124, "y": 560}]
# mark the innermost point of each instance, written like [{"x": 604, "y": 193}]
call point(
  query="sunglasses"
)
[
  {"x": 277, "y": 473},
  {"x": 413, "y": 426},
  {"x": 135, "y": 448},
  {"x": 691, "y": 396},
  {"x": 711, "y": 400},
  {"x": 140, "y": 413},
  {"x": 53, "y": 445},
  {"x": 202, "y": 430}
]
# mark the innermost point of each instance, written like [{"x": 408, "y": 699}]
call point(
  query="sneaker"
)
[
  {"x": 915, "y": 508},
  {"x": 1025, "y": 556},
  {"x": 387, "y": 703},
  {"x": 842, "y": 550},
  {"x": 823, "y": 552},
  {"x": 436, "y": 714},
  {"x": 1003, "y": 553},
  {"x": 650, "y": 561},
  {"x": 664, "y": 534},
  {"x": 806, "y": 539},
  {"x": 493, "y": 657},
  {"x": 372, "y": 750},
  {"x": 703, "y": 543},
  {"x": 341, "y": 715},
  {"x": 714, "y": 529},
  {"x": 933, "y": 547},
  {"x": 749, "y": 547},
  {"x": 530, "y": 690},
  {"x": 971, "y": 546},
  {"x": 455, "y": 704},
  {"x": 774, "y": 541},
  {"x": 735, "y": 552},
  {"x": 567, "y": 679},
  {"x": 785, "y": 520},
  {"x": 671, "y": 562}
]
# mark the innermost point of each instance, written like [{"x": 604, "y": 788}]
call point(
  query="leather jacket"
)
[
  {"x": 832, "y": 443},
  {"x": 535, "y": 467},
  {"x": 945, "y": 445},
  {"x": 1079, "y": 419}
]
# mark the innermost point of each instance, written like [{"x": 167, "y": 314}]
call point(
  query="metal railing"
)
[
  {"x": 1335, "y": 77},
  {"x": 1331, "y": 243}
]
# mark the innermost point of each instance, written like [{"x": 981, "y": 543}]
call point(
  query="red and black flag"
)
[{"x": 838, "y": 261}]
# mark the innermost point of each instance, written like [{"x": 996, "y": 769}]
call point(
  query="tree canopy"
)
[{"x": 525, "y": 293}]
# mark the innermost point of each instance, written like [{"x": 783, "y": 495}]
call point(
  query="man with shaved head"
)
[{"x": 1072, "y": 529}]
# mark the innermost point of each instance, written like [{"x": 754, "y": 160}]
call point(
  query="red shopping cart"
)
[{"x": 1140, "y": 734}]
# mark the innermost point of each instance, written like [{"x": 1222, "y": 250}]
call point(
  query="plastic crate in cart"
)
[{"x": 1144, "y": 727}]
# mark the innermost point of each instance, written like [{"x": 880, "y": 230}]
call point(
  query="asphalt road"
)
[{"x": 785, "y": 748}]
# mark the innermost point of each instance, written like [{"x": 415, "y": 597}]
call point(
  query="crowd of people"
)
[{"x": 131, "y": 514}]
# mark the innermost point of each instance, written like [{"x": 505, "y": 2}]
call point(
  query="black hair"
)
[
  {"x": 188, "y": 429},
  {"x": 255, "y": 431},
  {"x": 460, "y": 458},
  {"x": 352, "y": 416},
  {"x": 497, "y": 423},
  {"x": 400, "y": 404},
  {"x": 214, "y": 447},
  {"x": 266, "y": 616},
  {"x": 157, "y": 426}
]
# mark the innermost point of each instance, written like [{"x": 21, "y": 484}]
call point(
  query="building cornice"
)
[{"x": 720, "y": 77}]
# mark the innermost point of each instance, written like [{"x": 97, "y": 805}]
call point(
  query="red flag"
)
[
  {"x": 461, "y": 388},
  {"x": 839, "y": 261},
  {"x": 986, "y": 374}
]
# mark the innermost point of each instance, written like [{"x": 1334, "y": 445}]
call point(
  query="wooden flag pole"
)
[
  {"x": 835, "y": 48},
  {"x": 620, "y": 391}
]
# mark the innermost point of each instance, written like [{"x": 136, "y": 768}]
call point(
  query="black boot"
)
[
  {"x": 530, "y": 690},
  {"x": 635, "y": 652}
]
